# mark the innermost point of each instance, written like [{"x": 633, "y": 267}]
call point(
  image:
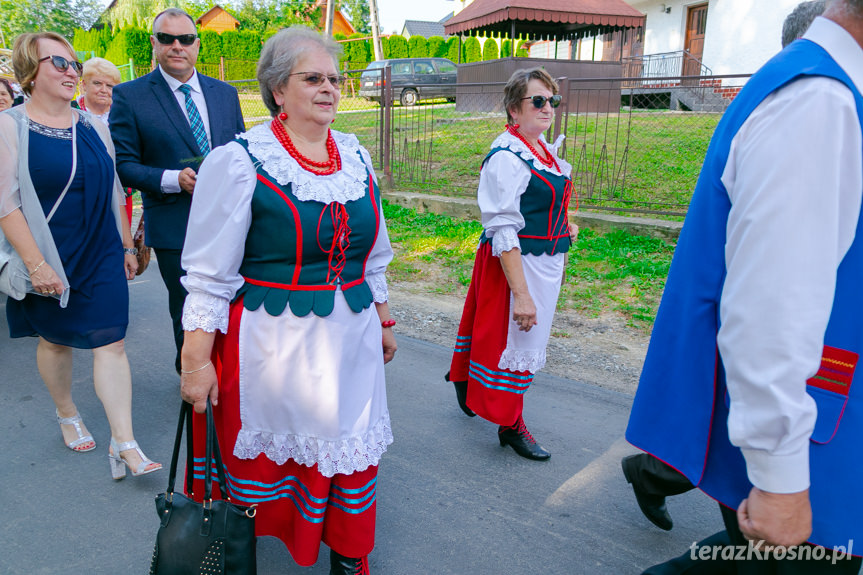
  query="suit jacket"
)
[{"x": 151, "y": 135}]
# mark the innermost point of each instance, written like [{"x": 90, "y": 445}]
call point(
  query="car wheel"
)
[{"x": 409, "y": 97}]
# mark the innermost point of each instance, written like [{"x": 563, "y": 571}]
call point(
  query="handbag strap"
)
[
  {"x": 71, "y": 176},
  {"x": 214, "y": 454}
]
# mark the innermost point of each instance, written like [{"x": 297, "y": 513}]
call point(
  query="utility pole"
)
[
  {"x": 376, "y": 30},
  {"x": 331, "y": 11}
]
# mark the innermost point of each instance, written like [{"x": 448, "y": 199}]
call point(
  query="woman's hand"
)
[
  {"x": 46, "y": 281},
  {"x": 131, "y": 266},
  {"x": 389, "y": 344},
  {"x": 197, "y": 383},
  {"x": 523, "y": 312},
  {"x": 573, "y": 232}
]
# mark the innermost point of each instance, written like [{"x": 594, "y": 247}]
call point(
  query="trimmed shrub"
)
[
  {"x": 90, "y": 42},
  {"x": 241, "y": 45},
  {"x": 211, "y": 47},
  {"x": 490, "y": 50},
  {"x": 436, "y": 47},
  {"x": 452, "y": 49},
  {"x": 357, "y": 53},
  {"x": 471, "y": 50},
  {"x": 131, "y": 43},
  {"x": 418, "y": 47},
  {"x": 506, "y": 48},
  {"x": 521, "y": 51},
  {"x": 397, "y": 47}
]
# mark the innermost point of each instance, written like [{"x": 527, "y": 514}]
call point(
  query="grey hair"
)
[
  {"x": 280, "y": 54},
  {"x": 801, "y": 17},
  {"x": 516, "y": 88},
  {"x": 172, "y": 13}
]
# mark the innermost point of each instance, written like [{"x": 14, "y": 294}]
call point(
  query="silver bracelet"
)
[
  {"x": 208, "y": 364},
  {"x": 130, "y": 251}
]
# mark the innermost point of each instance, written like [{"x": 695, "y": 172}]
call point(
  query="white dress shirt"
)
[
  {"x": 171, "y": 178},
  {"x": 794, "y": 178}
]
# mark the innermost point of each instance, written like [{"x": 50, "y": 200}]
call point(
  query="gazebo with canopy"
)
[{"x": 554, "y": 20}]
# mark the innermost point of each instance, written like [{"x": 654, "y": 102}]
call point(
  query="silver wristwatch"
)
[{"x": 131, "y": 251}]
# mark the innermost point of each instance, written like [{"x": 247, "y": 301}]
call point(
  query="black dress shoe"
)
[
  {"x": 520, "y": 439},
  {"x": 652, "y": 506},
  {"x": 341, "y": 565},
  {"x": 461, "y": 395}
]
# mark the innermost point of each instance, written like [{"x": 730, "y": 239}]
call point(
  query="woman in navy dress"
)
[{"x": 47, "y": 148}]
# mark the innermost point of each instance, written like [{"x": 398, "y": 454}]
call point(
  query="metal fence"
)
[{"x": 634, "y": 147}]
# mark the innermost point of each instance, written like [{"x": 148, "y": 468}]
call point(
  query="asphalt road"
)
[{"x": 450, "y": 499}]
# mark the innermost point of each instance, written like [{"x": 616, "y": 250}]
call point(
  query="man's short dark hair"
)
[{"x": 173, "y": 12}]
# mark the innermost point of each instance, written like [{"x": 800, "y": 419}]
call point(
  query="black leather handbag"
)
[{"x": 215, "y": 537}]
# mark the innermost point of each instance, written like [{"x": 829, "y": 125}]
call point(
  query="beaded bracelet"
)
[
  {"x": 36, "y": 269},
  {"x": 388, "y": 323},
  {"x": 208, "y": 364}
]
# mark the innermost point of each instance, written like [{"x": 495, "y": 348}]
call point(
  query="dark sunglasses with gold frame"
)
[{"x": 62, "y": 64}]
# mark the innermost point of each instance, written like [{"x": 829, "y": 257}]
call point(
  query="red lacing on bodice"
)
[{"x": 341, "y": 241}]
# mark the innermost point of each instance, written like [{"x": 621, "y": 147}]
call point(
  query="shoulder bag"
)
[{"x": 215, "y": 537}]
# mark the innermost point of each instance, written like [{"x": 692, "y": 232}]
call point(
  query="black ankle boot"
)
[
  {"x": 520, "y": 439},
  {"x": 341, "y": 565},
  {"x": 461, "y": 395}
]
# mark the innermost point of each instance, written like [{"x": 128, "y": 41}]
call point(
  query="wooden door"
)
[{"x": 696, "y": 24}]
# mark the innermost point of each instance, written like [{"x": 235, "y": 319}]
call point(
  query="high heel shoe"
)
[
  {"x": 76, "y": 445},
  {"x": 119, "y": 465}
]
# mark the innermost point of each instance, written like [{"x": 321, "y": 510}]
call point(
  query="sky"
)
[{"x": 393, "y": 13}]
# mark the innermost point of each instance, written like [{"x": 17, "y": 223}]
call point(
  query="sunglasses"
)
[
  {"x": 539, "y": 101},
  {"x": 62, "y": 64},
  {"x": 317, "y": 79},
  {"x": 168, "y": 39}
]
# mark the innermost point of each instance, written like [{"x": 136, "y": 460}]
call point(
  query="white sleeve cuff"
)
[
  {"x": 206, "y": 312},
  {"x": 378, "y": 285},
  {"x": 503, "y": 240},
  {"x": 171, "y": 182},
  {"x": 778, "y": 473}
]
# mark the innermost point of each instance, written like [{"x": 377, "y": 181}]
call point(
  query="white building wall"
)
[{"x": 741, "y": 35}]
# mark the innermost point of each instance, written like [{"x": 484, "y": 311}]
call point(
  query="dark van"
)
[{"x": 413, "y": 79}]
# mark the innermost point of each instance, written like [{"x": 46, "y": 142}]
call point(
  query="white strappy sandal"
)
[
  {"x": 119, "y": 465},
  {"x": 76, "y": 444}
]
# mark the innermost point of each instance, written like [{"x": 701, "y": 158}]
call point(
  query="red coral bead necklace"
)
[
  {"x": 547, "y": 161},
  {"x": 331, "y": 166}
]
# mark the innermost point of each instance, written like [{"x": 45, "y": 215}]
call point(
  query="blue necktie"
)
[{"x": 195, "y": 120}]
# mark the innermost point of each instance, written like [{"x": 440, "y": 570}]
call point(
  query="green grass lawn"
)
[{"x": 615, "y": 271}]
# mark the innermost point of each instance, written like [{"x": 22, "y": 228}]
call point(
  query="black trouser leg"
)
[
  {"x": 172, "y": 271},
  {"x": 808, "y": 559},
  {"x": 689, "y": 564},
  {"x": 654, "y": 477}
]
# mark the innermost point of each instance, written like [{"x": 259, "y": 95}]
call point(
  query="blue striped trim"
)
[
  {"x": 262, "y": 492},
  {"x": 369, "y": 497},
  {"x": 462, "y": 343},
  {"x": 483, "y": 376}
]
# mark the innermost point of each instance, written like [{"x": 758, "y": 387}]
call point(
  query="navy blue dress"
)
[{"x": 85, "y": 231}]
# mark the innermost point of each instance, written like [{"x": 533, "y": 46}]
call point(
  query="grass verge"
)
[{"x": 613, "y": 272}]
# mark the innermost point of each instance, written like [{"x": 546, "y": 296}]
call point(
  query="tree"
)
[
  {"x": 489, "y": 50},
  {"x": 472, "y": 51},
  {"x": 359, "y": 15},
  {"x": 418, "y": 47},
  {"x": 61, "y": 16},
  {"x": 136, "y": 13},
  {"x": 268, "y": 16}
]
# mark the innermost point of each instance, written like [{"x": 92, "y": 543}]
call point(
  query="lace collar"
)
[
  {"x": 346, "y": 185},
  {"x": 507, "y": 140}
]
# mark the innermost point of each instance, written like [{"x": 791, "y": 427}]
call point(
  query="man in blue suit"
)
[{"x": 163, "y": 124}]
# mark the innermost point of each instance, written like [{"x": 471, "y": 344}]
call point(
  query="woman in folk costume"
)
[
  {"x": 285, "y": 254},
  {"x": 524, "y": 193}
]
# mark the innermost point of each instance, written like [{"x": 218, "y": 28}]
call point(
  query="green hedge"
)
[
  {"x": 418, "y": 47},
  {"x": 396, "y": 47},
  {"x": 521, "y": 51},
  {"x": 211, "y": 47},
  {"x": 452, "y": 49},
  {"x": 490, "y": 50},
  {"x": 436, "y": 47},
  {"x": 130, "y": 43},
  {"x": 506, "y": 48},
  {"x": 95, "y": 41},
  {"x": 471, "y": 50},
  {"x": 241, "y": 45},
  {"x": 357, "y": 53}
]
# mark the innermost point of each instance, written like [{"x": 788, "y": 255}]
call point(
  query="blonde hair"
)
[
  {"x": 25, "y": 56},
  {"x": 101, "y": 66}
]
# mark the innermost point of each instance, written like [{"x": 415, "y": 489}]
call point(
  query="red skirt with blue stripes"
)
[
  {"x": 493, "y": 393},
  {"x": 295, "y": 502}
]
